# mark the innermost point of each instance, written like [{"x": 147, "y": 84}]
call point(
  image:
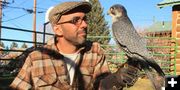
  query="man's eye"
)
[
  {"x": 85, "y": 18},
  {"x": 75, "y": 20}
]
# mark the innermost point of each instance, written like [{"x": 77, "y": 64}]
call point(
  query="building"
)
[{"x": 175, "y": 32}]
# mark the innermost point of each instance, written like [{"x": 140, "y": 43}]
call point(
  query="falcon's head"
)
[{"x": 117, "y": 11}]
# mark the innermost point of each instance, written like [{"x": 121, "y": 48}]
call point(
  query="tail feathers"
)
[
  {"x": 151, "y": 78},
  {"x": 154, "y": 65},
  {"x": 147, "y": 70},
  {"x": 145, "y": 65}
]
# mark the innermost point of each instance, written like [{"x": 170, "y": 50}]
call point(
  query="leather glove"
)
[{"x": 125, "y": 76}]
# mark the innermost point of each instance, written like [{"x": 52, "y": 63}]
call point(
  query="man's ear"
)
[{"x": 58, "y": 30}]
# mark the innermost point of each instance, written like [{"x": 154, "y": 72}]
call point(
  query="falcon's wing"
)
[{"x": 126, "y": 35}]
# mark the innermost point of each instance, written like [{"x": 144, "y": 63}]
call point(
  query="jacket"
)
[{"x": 46, "y": 70}]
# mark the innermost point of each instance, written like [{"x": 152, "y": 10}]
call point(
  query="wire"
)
[
  {"x": 27, "y": 10},
  {"x": 23, "y": 2},
  {"x": 16, "y": 25},
  {"x": 41, "y": 8},
  {"x": 15, "y": 17},
  {"x": 15, "y": 7},
  {"x": 14, "y": 3}
]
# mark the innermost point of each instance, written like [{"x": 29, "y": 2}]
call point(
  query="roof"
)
[
  {"x": 168, "y": 3},
  {"x": 160, "y": 26}
]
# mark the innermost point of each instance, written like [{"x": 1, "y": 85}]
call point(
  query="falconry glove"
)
[{"x": 126, "y": 75}]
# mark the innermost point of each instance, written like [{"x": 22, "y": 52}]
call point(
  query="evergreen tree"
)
[
  {"x": 2, "y": 45},
  {"x": 13, "y": 45},
  {"x": 24, "y": 45},
  {"x": 97, "y": 24},
  {"x": 6, "y": 48}
]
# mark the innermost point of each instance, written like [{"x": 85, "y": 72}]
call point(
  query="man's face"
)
[{"x": 73, "y": 27}]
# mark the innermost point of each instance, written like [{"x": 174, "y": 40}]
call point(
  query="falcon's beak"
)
[{"x": 111, "y": 12}]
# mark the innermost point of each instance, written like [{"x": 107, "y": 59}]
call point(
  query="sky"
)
[{"x": 141, "y": 12}]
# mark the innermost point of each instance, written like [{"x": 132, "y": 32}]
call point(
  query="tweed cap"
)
[{"x": 65, "y": 7}]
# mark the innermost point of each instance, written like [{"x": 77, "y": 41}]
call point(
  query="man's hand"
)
[{"x": 125, "y": 76}]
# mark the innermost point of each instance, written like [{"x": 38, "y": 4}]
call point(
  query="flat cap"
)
[{"x": 65, "y": 7}]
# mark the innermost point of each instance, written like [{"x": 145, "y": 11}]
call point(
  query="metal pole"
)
[
  {"x": 34, "y": 23},
  {"x": 44, "y": 31},
  {"x": 0, "y": 17}
]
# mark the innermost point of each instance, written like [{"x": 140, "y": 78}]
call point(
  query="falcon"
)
[{"x": 132, "y": 43}]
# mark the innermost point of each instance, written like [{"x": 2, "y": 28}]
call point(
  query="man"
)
[{"x": 74, "y": 62}]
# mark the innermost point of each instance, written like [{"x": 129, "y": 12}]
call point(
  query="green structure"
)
[
  {"x": 175, "y": 4},
  {"x": 168, "y": 3},
  {"x": 159, "y": 26}
]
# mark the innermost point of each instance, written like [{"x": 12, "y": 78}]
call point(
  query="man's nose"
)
[{"x": 84, "y": 23}]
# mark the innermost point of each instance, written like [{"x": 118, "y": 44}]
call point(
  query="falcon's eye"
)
[{"x": 112, "y": 8}]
